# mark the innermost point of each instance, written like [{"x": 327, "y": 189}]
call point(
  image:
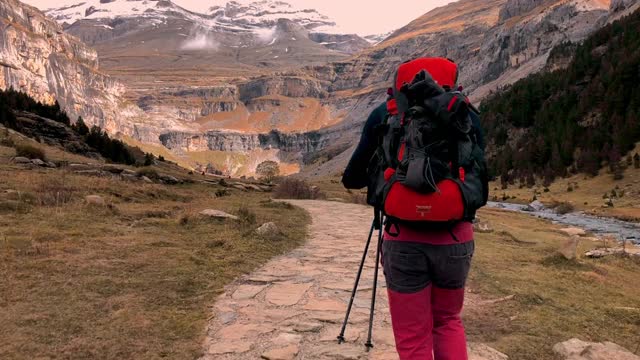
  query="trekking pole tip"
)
[
  {"x": 341, "y": 339},
  {"x": 369, "y": 346}
]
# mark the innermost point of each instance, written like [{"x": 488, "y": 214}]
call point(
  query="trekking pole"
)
[
  {"x": 374, "y": 225},
  {"x": 369, "y": 344}
]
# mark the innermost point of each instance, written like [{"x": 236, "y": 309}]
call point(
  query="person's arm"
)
[
  {"x": 477, "y": 126},
  {"x": 355, "y": 175}
]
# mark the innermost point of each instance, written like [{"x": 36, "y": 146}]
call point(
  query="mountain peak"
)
[
  {"x": 266, "y": 13},
  {"x": 103, "y": 9}
]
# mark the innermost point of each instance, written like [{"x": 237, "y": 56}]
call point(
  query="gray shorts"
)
[{"x": 410, "y": 267}]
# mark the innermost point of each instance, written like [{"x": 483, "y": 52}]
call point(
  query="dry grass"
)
[
  {"x": 129, "y": 280},
  {"x": 292, "y": 188},
  {"x": 555, "y": 299},
  {"x": 589, "y": 193}
]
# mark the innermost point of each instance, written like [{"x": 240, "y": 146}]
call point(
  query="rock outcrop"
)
[
  {"x": 38, "y": 58},
  {"x": 289, "y": 86},
  {"x": 575, "y": 349},
  {"x": 296, "y": 143}
]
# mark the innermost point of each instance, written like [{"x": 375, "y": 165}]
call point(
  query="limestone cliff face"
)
[
  {"x": 495, "y": 42},
  {"x": 289, "y": 86},
  {"x": 292, "y": 143},
  {"x": 514, "y": 8},
  {"x": 36, "y": 57}
]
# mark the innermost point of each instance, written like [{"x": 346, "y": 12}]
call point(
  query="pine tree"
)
[
  {"x": 149, "y": 159},
  {"x": 80, "y": 127}
]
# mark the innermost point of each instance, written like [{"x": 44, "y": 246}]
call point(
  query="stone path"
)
[{"x": 293, "y": 307}]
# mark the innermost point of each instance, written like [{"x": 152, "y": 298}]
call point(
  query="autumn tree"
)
[{"x": 268, "y": 170}]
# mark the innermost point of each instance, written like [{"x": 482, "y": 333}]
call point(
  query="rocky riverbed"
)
[{"x": 622, "y": 230}]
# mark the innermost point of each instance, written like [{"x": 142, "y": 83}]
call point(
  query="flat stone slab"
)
[
  {"x": 246, "y": 292},
  {"x": 293, "y": 307},
  {"x": 217, "y": 214},
  {"x": 326, "y": 305},
  {"x": 286, "y": 353},
  {"x": 236, "y": 348},
  {"x": 286, "y": 294}
]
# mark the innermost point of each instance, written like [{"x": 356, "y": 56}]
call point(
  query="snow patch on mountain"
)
[{"x": 267, "y": 13}]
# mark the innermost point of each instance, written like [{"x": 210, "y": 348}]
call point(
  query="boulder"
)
[
  {"x": 268, "y": 229},
  {"x": 98, "y": 173},
  {"x": 38, "y": 162},
  {"x": 129, "y": 177},
  {"x": 21, "y": 160},
  {"x": 483, "y": 352},
  {"x": 482, "y": 227},
  {"x": 537, "y": 206},
  {"x": 51, "y": 164},
  {"x": 576, "y": 349},
  {"x": 79, "y": 166},
  {"x": 114, "y": 169},
  {"x": 170, "y": 180},
  {"x": 253, "y": 187},
  {"x": 569, "y": 248},
  {"x": 217, "y": 214},
  {"x": 600, "y": 253},
  {"x": 147, "y": 180},
  {"x": 128, "y": 172},
  {"x": 96, "y": 200},
  {"x": 574, "y": 231}
]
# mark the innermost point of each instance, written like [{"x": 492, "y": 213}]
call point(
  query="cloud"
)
[
  {"x": 266, "y": 35},
  {"x": 200, "y": 39}
]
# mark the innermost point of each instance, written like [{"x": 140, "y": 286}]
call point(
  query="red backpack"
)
[{"x": 428, "y": 169}]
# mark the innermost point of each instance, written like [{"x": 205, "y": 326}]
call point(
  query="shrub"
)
[
  {"x": 30, "y": 152},
  {"x": 268, "y": 170},
  {"x": 148, "y": 172},
  {"x": 246, "y": 217},
  {"x": 290, "y": 188},
  {"x": 222, "y": 193},
  {"x": 276, "y": 205},
  {"x": 54, "y": 193},
  {"x": 149, "y": 159},
  {"x": 564, "y": 208},
  {"x": 5, "y": 138}
]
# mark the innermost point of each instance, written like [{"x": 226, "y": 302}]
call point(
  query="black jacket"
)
[{"x": 355, "y": 175}]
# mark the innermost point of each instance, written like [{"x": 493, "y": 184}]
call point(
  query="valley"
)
[
  {"x": 250, "y": 68},
  {"x": 135, "y": 222}
]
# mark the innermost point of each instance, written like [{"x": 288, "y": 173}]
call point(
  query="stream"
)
[{"x": 597, "y": 225}]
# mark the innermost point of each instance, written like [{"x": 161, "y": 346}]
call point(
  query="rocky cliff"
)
[
  {"x": 298, "y": 144},
  {"x": 198, "y": 94},
  {"x": 38, "y": 58}
]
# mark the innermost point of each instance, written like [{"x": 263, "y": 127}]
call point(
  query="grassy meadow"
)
[{"x": 133, "y": 279}]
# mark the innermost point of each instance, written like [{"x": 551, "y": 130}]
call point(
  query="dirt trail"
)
[{"x": 292, "y": 307}]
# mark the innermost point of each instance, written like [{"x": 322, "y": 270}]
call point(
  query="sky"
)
[{"x": 353, "y": 16}]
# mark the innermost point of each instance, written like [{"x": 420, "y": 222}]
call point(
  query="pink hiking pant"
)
[
  {"x": 427, "y": 324},
  {"x": 426, "y": 295}
]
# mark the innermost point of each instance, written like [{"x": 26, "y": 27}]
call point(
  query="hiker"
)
[{"x": 428, "y": 191}]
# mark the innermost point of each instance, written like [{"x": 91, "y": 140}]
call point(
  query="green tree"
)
[
  {"x": 80, "y": 127},
  {"x": 149, "y": 159}
]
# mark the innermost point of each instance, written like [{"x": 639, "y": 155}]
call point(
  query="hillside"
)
[
  {"x": 265, "y": 81},
  {"x": 571, "y": 120},
  {"x": 111, "y": 261}
]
